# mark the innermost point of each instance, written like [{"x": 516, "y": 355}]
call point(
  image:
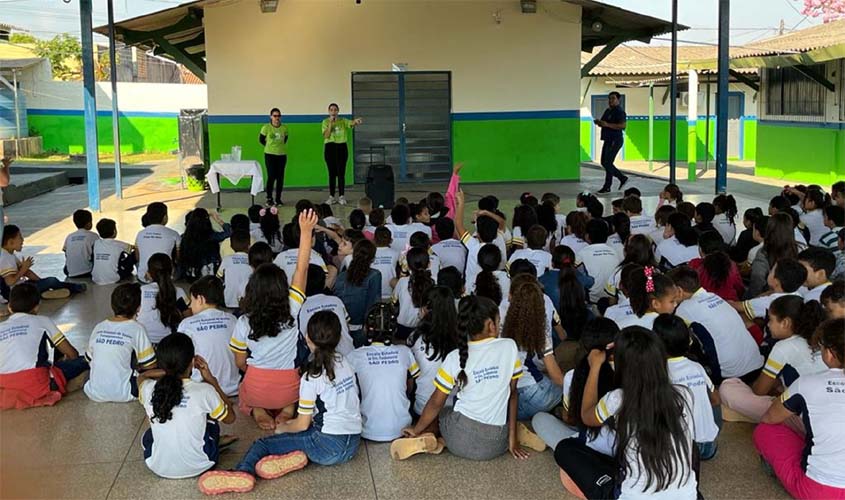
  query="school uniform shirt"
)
[
  {"x": 322, "y": 302},
  {"x": 385, "y": 262},
  {"x": 433, "y": 264},
  {"x": 670, "y": 251},
  {"x": 276, "y": 246},
  {"x": 642, "y": 224},
  {"x": 490, "y": 366},
  {"x": 725, "y": 227},
  {"x": 107, "y": 254},
  {"x": 815, "y": 293},
  {"x": 688, "y": 373},
  {"x": 79, "y": 252},
  {"x": 287, "y": 261},
  {"x": 814, "y": 221},
  {"x": 271, "y": 353},
  {"x": 332, "y": 221},
  {"x": 334, "y": 403},
  {"x": 400, "y": 235},
  {"x": 600, "y": 261},
  {"x": 226, "y": 247},
  {"x": 830, "y": 239},
  {"x": 110, "y": 350},
  {"x": 150, "y": 317},
  {"x": 474, "y": 244},
  {"x": 541, "y": 259},
  {"x": 451, "y": 253},
  {"x": 9, "y": 264},
  {"x": 633, "y": 486},
  {"x": 409, "y": 314},
  {"x": 614, "y": 241},
  {"x": 736, "y": 350},
  {"x": 621, "y": 311},
  {"x": 759, "y": 306},
  {"x": 20, "y": 340},
  {"x": 800, "y": 240},
  {"x": 235, "y": 271},
  {"x": 605, "y": 441},
  {"x": 502, "y": 278},
  {"x": 151, "y": 240},
  {"x": 210, "y": 330},
  {"x": 657, "y": 235},
  {"x": 573, "y": 242},
  {"x": 820, "y": 400},
  {"x": 382, "y": 372},
  {"x": 178, "y": 444},
  {"x": 425, "y": 376},
  {"x": 792, "y": 358},
  {"x": 418, "y": 227},
  {"x": 611, "y": 288},
  {"x": 645, "y": 321}
]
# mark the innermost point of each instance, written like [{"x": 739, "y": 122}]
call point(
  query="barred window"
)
[{"x": 791, "y": 93}]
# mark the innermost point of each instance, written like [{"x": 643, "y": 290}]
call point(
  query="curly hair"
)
[
  {"x": 525, "y": 321},
  {"x": 266, "y": 302}
]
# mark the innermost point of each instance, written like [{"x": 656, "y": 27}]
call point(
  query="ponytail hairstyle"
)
[
  {"x": 648, "y": 284},
  {"x": 437, "y": 329},
  {"x": 420, "y": 280},
  {"x": 597, "y": 334},
  {"x": 652, "y": 413},
  {"x": 638, "y": 250},
  {"x": 779, "y": 240},
  {"x": 526, "y": 321},
  {"x": 752, "y": 215},
  {"x": 473, "y": 314},
  {"x": 621, "y": 226},
  {"x": 726, "y": 204},
  {"x": 324, "y": 332},
  {"x": 380, "y": 324},
  {"x": 160, "y": 269},
  {"x": 363, "y": 255},
  {"x": 819, "y": 198},
  {"x": 829, "y": 336},
  {"x": 546, "y": 217},
  {"x": 270, "y": 225},
  {"x": 266, "y": 302},
  {"x": 674, "y": 192},
  {"x": 716, "y": 262},
  {"x": 805, "y": 316},
  {"x": 573, "y": 297},
  {"x": 577, "y": 223},
  {"x": 175, "y": 355},
  {"x": 486, "y": 284},
  {"x": 682, "y": 227}
]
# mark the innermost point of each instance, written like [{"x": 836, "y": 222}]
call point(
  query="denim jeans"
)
[
  {"x": 323, "y": 449},
  {"x": 609, "y": 150},
  {"x": 542, "y": 396},
  {"x": 51, "y": 283},
  {"x": 706, "y": 451}
]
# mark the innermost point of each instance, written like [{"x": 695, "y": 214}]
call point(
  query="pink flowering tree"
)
[{"x": 828, "y": 10}]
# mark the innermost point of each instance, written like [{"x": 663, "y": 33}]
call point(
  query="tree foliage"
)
[
  {"x": 828, "y": 10},
  {"x": 21, "y": 38},
  {"x": 65, "y": 55}
]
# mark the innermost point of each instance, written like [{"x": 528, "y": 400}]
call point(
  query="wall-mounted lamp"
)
[{"x": 269, "y": 6}]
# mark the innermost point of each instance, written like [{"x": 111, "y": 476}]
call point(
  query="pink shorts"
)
[{"x": 268, "y": 389}]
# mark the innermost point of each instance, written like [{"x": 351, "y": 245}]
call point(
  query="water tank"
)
[{"x": 8, "y": 124}]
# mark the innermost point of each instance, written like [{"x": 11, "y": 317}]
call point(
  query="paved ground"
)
[{"x": 80, "y": 449}]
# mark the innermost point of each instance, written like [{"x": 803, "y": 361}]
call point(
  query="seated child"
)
[
  {"x": 834, "y": 219},
  {"x": 452, "y": 279},
  {"x": 704, "y": 214},
  {"x": 155, "y": 238},
  {"x": 598, "y": 258},
  {"x": 14, "y": 270},
  {"x": 490, "y": 282},
  {"x": 716, "y": 271},
  {"x": 651, "y": 294},
  {"x": 114, "y": 260},
  {"x": 318, "y": 300},
  {"x": 420, "y": 240},
  {"x": 410, "y": 290},
  {"x": 385, "y": 261},
  {"x": 785, "y": 278},
  {"x": 820, "y": 264},
  {"x": 680, "y": 242},
  {"x": 724, "y": 222},
  {"x": 331, "y": 439},
  {"x": 184, "y": 436},
  {"x": 287, "y": 260},
  {"x": 833, "y": 300},
  {"x": 210, "y": 329},
  {"x": 238, "y": 223},
  {"x": 79, "y": 246},
  {"x": 640, "y": 224},
  {"x": 661, "y": 220},
  {"x": 576, "y": 231},
  {"x": 383, "y": 370},
  {"x": 535, "y": 240},
  {"x": 163, "y": 304},
  {"x": 27, "y": 379},
  {"x": 449, "y": 249},
  {"x": 622, "y": 309},
  {"x": 115, "y": 345},
  {"x": 235, "y": 269},
  {"x": 399, "y": 227},
  {"x": 269, "y": 229},
  {"x": 671, "y": 195},
  {"x": 489, "y": 228}
]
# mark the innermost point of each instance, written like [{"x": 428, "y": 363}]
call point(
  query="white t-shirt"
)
[
  {"x": 20, "y": 340},
  {"x": 287, "y": 261},
  {"x": 409, "y": 314},
  {"x": 752, "y": 254},
  {"x": 501, "y": 277},
  {"x": 645, "y": 321},
  {"x": 736, "y": 349},
  {"x": 633, "y": 487},
  {"x": 820, "y": 399},
  {"x": 620, "y": 311},
  {"x": 759, "y": 306},
  {"x": 792, "y": 358},
  {"x": 683, "y": 371},
  {"x": 107, "y": 254},
  {"x": 150, "y": 317},
  {"x": 814, "y": 221},
  {"x": 541, "y": 259},
  {"x": 491, "y": 365},
  {"x": 382, "y": 372},
  {"x": 79, "y": 252},
  {"x": 725, "y": 227},
  {"x": 110, "y": 350},
  {"x": 614, "y": 241},
  {"x": 433, "y": 264},
  {"x": 474, "y": 244},
  {"x": 210, "y": 331},
  {"x": 611, "y": 288},
  {"x": 257, "y": 235},
  {"x": 674, "y": 252},
  {"x": 642, "y": 224},
  {"x": 452, "y": 253},
  {"x": 9, "y": 264},
  {"x": 815, "y": 293},
  {"x": 151, "y": 240},
  {"x": 425, "y": 378},
  {"x": 600, "y": 261},
  {"x": 605, "y": 441},
  {"x": 322, "y": 302},
  {"x": 418, "y": 227},
  {"x": 385, "y": 262},
  {"x": 271, "y": 353},
  {"x": 236, "y": 271},
  {"x": 178, "y": 444},
  {"x": 340, "y": 412},
  {"x": 573, "y": 242},
  {"x": 400, "y": 235},
  {"x": 657, "y": 235}
]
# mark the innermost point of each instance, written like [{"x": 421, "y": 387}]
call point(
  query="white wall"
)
[
  {"x": 146, "y": 97},
  {"x": 301, "y": 57}
]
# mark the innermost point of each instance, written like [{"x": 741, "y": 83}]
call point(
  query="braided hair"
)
[{"x": 473, "y": 314}]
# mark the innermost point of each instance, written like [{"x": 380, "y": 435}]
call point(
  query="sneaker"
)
[
  {"x": 273, "y": 466},
  {"x": 342, "y": 200},
  {"x": 279, "y": 203},
  {"x": 528, "y": 438},
  {"x": 603, "y": 191},
  {"x": 331, "y": 201},
  {"x": 216, "y": 482},
  {"x": 61, "y": 293},
  {"x": 80, "y": 288},
  {"x": 622, "y": 183},
  {"x": 403, "y": 448},
  {"x": 269, "y": 202}
]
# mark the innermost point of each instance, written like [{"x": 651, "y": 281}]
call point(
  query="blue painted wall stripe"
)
[
  {"x": 496, "y": 115},
  {"x": 101, "y": 113},
  {"x": 789, "y": 123}
]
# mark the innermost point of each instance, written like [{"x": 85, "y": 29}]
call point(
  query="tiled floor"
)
[{"x": 80, "y": 449}]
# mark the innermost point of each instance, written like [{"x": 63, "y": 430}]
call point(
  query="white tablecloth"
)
[{"x": 234, "y": 171}]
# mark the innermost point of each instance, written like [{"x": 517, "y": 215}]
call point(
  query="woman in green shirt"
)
[
  {"x": 274, "y": 138},
  {"x": 335, "y": 151}
]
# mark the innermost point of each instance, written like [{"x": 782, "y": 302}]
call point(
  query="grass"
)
[{"x": 126, "y": 159}]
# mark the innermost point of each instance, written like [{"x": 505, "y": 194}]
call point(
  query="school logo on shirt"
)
[
  {"x": 15, "y": 331},
  {"x": 109, "y": 337},
  {"x": 382, "y": 358},
  {"x": 487, "y": 373},
  {"x": 344, "y": 385}
]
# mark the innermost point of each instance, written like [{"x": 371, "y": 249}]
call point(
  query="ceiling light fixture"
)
[
  {"x": 269, "y": 6},
  {"x": 528, "y": 6}
]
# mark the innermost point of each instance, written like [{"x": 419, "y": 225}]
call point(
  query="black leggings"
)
[
  {"x": 275, "y": 174},
  {"x": 336, "y": 155}
]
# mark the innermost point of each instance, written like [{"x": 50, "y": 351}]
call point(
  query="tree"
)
[
  {"x": 828, "y": 10},
  {"x": 65, "y": 55},
  {"x": 20, "y": 38}
]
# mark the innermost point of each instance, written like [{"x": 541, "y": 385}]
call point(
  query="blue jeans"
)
[
  {"x": 542, "y": 396},
  {"x": 609, "y": 150},
  {"x": 210, "y": 441},
  {"x": 51, "y": 283},
  {"x": 323, "y": 449},
  {"x": 706, "y": 451}
]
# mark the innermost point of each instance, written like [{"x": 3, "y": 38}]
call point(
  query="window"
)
[{"x": 791, "y": 93}]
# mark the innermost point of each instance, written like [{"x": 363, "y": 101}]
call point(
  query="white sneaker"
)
[
  {"x": 331, "y": 200},
  {"x": 342, "y": 200}
]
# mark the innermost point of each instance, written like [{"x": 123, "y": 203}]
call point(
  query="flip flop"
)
[
  {"x": 61, "y": 293},
  {"x": 441, "y": 445},
  {"x": 273, "y": 466},
  {"x": 403, "y": 448},
  {"x": 527, "y": 438},
  {"x": 216, "y": 482}
]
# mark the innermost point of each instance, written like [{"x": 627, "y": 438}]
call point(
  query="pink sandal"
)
[
  {"x": 273, "y": 466},
  {"x": 216, "y": 482}
]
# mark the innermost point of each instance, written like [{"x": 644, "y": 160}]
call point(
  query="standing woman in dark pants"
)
[
  {"x": 612, "y": 123},
  {"x": 336, "y": 152},
  {"x": 274, "y": 138}
]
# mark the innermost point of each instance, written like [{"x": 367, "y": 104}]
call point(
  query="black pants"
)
[
  {"x": 593, "y": 472},
  {"x": 275, "y": 174},
  {"x": 336, "y": 155},
  {"x": 609, "y": 150}
]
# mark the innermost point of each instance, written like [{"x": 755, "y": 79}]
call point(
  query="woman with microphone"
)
[{"x": 336, "y": 152}]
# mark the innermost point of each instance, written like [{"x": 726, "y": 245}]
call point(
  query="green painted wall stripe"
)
[
  {"x": 65, "y": 134},
  {"x": 809, "y": 155}
]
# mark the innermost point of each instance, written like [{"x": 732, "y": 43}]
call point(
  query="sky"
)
[{"x": 750, "y": 19}]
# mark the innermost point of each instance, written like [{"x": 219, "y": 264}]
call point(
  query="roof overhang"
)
[{"x": 19, "y": 64}]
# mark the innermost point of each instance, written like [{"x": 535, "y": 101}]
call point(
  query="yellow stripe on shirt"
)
[
  {"x": 237, "y": 343},
  {"x": 445, "y": 376},
  {"x": 442, "y": 388},
  {"x": 218, "y": 412},
  {"x": 297, "y": 295}
]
